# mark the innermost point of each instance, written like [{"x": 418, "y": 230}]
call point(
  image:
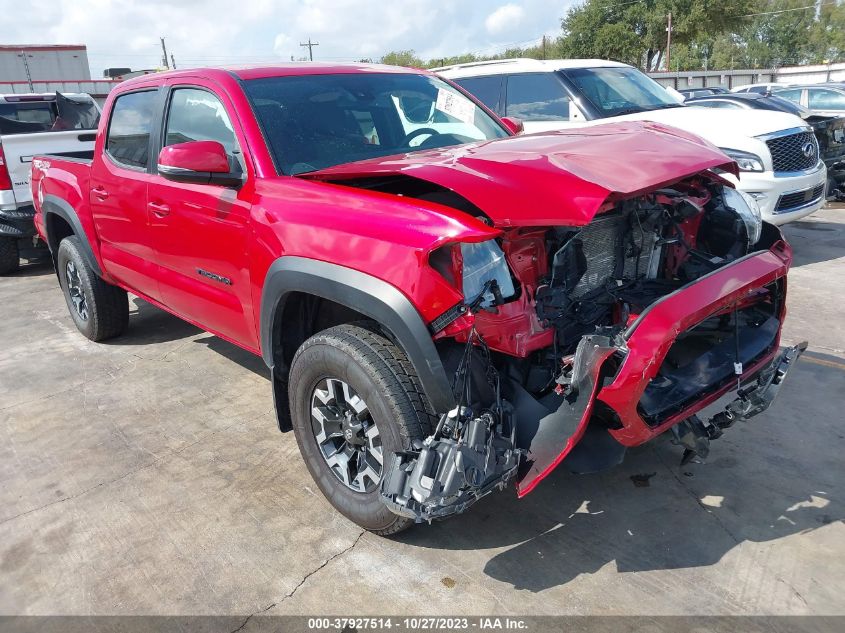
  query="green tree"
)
[
  {"x": 635, "y": 32},
  {"x": 403, "y": 58},
  {"x": 827, "y": 34}
]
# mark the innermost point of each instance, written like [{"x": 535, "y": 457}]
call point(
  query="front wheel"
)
[
  {"x": 99, "y": 310},
  {"x": 355, "y": 399}
]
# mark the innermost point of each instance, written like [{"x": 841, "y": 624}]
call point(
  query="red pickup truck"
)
[{"x": 446, "y": 306}]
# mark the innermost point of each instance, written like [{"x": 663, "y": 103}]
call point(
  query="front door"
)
[
  {"x": 119, "y": 179},
  {"x": 201, "y": 230}
]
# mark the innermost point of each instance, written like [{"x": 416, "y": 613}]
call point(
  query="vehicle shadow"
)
[
  {"x": 813, "y": 241},
  {"x": 577, "y": 524},
  {"x": 149, "y": 324},
  {"x": 34, "y": 268},
  {"x": 236, "y": 354}
]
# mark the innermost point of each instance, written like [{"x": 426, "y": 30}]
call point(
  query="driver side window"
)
[{"x": 198, "y": 115}]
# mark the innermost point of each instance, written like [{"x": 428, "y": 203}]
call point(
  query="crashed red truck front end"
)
[{"x": 628, "y": 288}]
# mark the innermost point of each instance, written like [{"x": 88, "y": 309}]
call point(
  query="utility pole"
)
[
  {"x": 544, "y": 47},
  {"x": 26, "y": 68},
  {"x": 172, "y": 61},
  {"x": 310, "y": 46},
  {"x": 164, "y": 61},
  {"x": 668, "y": 43}
]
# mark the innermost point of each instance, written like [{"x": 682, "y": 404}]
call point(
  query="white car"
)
[
  {"x": 777, "y": 153},
  {"x": 30, "y": 124}
]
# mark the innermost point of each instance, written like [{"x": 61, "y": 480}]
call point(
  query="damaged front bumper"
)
[{"x": 621, "y": 388}]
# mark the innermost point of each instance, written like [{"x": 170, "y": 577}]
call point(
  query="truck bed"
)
[{"x": 20, "y": 149}]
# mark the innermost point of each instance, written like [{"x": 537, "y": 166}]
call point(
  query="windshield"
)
[
  {"x": 615, "y": 91},
  {"x": 316, "y": 121}
]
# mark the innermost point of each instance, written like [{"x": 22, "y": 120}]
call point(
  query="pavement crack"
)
[
  {"x": 792, "y": 589},
  {"x": 301, "y": 582},
  {"x": 319, "y": 567}
]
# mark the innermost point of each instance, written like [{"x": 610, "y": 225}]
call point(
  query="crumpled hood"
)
[{"x": 552, "y": 178}]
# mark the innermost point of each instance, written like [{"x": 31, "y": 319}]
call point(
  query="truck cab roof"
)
[{"x": 263, "y": 71}]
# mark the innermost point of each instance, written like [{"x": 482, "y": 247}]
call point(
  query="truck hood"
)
[
  {"x": 723, "y": 128},
  {"x": 551, "y": 178}
]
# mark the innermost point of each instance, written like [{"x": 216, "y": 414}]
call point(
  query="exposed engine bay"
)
[{"x": 546, "y": 324}]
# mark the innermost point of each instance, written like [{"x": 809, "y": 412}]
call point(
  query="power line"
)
[
  {"x": 310, "y": 46},
  {"x": 809, "y": 6}
]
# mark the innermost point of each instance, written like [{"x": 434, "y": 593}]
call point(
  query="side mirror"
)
[
  {"x": 202, "y": 162},
  {"x": 514, "y": 125}
]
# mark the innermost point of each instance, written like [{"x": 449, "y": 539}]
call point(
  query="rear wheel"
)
[
  {"x": 9, "y": 255},
  {"x": 355, "y": 399},
  {"x": 99, "y": 310}
]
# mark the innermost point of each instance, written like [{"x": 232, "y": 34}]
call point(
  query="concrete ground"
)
[{"x": 146, "y": 475}]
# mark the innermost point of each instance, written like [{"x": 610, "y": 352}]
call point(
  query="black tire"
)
[
  {"x": 106, "y": 307},
  {"x": 379, "y": 371},
  {"x": 9, "y": 256}
]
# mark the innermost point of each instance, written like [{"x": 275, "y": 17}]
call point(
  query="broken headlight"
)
[
  {"x": 483, "y": 262},
  {"x": 748, "y": 211}
]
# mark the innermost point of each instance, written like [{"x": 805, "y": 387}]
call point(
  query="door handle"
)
[
  {"x": 100, "y": 193},
  {"x": 159, "y": 209}
]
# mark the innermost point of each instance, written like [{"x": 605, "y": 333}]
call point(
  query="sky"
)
[{"x": 125, "y": 33}]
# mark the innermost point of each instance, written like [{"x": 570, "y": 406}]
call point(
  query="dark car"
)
[
  {"x": 692, "y": 93},
  {"x": 829, "y": 130}
]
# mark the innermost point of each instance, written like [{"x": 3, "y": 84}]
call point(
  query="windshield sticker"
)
[{"x": 455, "y": 105}]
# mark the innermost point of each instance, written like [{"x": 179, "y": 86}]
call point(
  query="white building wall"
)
[{"x": 46, "y": 63}]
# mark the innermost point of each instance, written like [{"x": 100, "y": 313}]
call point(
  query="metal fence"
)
[{"x": 735, "y": 78}]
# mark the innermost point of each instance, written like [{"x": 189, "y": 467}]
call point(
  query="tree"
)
[
  {"x": 402, "y": 58},
  {"x": 635, "y": 32},
  {"x": 827, "y": 35}
]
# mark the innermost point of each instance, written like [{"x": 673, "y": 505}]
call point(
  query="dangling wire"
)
[{"x": 738, "y": 360}]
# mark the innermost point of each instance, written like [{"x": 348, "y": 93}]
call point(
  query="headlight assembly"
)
[
  {"x": 748, "y": 211},
  {"x": 484, "y": 261},
  {"x": 745, "y": 160}
]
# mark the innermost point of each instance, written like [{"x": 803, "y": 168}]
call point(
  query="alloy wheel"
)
[
  {"x": 76, "y": 291},
  {"x": 346, "y": 435}
]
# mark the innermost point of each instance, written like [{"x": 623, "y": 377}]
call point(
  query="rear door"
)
[
  {"x": 120, "y": 174},
  {"x": 487, "y": 89},
  {"x": 201, "y": 230},
  {"x": 539, "y": 100}
]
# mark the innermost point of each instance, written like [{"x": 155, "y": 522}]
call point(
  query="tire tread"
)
[
  {"x": 108, "y": 304},
  {"x": 395, "y": 376}
]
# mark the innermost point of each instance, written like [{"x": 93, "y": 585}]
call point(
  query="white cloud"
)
[
  {"x": 215, "y": 32},
  {"x": 503, "y": 19}
]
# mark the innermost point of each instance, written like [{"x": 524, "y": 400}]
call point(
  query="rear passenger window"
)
[
  {"x": 826, "y": 100},
  {"x": 128, "y": 140},
  {"x": 485, "y": 89},
  {"x": 198, "y": 115},
  {"x": 539, "y": 97}
]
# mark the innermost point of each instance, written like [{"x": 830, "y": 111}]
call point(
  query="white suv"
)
[{"x": 777, "y": 153}]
